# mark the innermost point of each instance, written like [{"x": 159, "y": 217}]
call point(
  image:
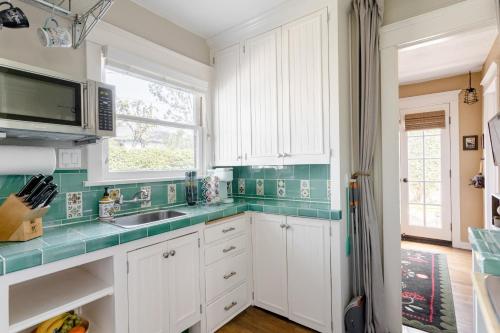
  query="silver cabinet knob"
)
[
  {"x": 229, "y": 306},
  {"x": 228, "y": 230},
  {"x": 166, "y": 255},
  {"x": 227, "y": 276},
  {"x": 232, "y": 247},
  {"x": 172, "y": 253}
]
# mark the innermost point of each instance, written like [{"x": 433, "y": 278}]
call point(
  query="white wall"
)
[{"x": 397, "y": 10}]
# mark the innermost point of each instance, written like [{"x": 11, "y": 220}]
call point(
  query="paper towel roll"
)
[{"x": 21, "y": 160}]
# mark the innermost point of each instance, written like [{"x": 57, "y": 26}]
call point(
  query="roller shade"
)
[{"x": 425, "y": 120}]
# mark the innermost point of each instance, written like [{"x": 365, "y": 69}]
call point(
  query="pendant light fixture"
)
[{"x": 470, "y": 94}]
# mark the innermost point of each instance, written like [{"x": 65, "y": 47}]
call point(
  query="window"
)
[{"x": 157, "y": 128}]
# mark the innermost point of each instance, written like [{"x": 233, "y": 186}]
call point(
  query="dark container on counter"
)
[{"x": 191, "y": 188}]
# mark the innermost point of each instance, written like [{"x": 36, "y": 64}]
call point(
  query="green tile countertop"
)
[
  {"x": 486, "y": 245},
  {"x": 70, "y": 240}
]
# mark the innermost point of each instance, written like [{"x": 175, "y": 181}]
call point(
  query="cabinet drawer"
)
[
  {"x": 226, "y": 249},
  {"x": 227, "y": 307},
  {"x": 226, "y": 229},
  {"x": 226, "y": 274}
]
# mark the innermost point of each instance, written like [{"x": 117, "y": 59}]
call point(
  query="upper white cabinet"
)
[
  {"x": 164, "y": 286},
  {"x": 261, "y": 100},
  {"x": 305, "y": 90},
  {"x": 226, "y": 120},
  {"x": 272, "y": 107}
]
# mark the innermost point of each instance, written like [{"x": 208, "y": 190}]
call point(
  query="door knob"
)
[
  {"x": 172, "y": 253},
  {"x": 282, "y": 225},
  {"x": 405, "y": 180},
  {"x": 166, "y": 255}
]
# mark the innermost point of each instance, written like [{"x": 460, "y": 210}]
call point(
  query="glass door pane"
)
[{"x": 424, "y": 178}]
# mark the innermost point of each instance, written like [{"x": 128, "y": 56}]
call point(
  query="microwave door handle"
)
[{"x": 85, "y": 123}]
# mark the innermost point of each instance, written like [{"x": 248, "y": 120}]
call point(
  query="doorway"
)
[{"x": 425, "y": 173}]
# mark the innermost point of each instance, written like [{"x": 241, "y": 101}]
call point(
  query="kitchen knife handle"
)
[{"x": 30, "y": 185}]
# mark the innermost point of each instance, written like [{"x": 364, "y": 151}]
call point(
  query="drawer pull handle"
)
[
  {"x": 232, "y": 247},
  {"x": 166, "y": 255},
  {"x": 172, "y": 253},
  {"x": 228, "y": 229},
  {"x": 230, "y": 306},
  {"x": 227, "y": 276}
]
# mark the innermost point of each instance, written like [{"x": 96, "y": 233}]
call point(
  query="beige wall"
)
[
  {"x": 493, "y": 55},
  {"x": 397, "y": 10},
  {"x": 131, "y": 17},
  {"x": 22, "y": 45},
  {"x": 471, "y": 199}
]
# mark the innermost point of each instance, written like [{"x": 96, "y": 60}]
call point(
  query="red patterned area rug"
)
[{"x": 427, "y": 300}]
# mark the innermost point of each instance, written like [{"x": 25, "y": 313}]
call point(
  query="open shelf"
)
[{"x": 39, "y": 299}]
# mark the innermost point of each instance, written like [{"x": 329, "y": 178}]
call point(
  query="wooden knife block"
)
[{"x": 18, "y": 222}]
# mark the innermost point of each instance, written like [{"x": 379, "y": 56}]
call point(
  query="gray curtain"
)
[{"x": 367, "y": 256}]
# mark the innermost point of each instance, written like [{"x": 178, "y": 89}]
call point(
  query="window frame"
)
[{"x": 98, "y": 162}]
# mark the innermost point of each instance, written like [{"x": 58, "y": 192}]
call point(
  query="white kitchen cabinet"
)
[
  {"x": 226, "y": 120},
  {"x": 305, "y": 90},
  {"x": 269, "y": 263},
  {"x": 228, "y": 270},
  {"x": 291, "y": 259},
  {"x": 164, "y": 287},
  {"x": 281, "y": 90},
  {"x": 261, "y": 100},
  {"x": 184, "y": 282},
  {"x": 308, "y": 258}
]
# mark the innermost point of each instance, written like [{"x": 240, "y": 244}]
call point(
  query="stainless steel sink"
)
[{"x": 131, "y": 221}]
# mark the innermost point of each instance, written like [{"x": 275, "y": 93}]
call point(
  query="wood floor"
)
[
  {"x": 255, "y": 320},
  {"x": 460, "y": 267}
]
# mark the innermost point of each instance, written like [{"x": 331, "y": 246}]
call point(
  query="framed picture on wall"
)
[{"x": 470, "y": 142}]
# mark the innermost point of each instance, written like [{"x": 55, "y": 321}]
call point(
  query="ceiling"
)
[
  {"x": 445, "y": 57},
  {"x": 208, "y": 18}
]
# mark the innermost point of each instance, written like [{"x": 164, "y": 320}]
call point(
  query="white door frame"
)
[
  {"x": 430, "y": 26},
  {"x": 451, "y": 100},
  {"x": 490, "y": 84}
]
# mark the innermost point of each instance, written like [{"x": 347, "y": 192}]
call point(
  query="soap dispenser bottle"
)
[{"x": 106, "y": 206}]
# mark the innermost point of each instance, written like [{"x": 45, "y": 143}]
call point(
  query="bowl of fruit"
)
[{"x": 68, "y": 322}]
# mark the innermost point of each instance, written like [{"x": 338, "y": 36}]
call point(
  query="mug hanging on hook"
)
[
  {"x": 55, "y": 35},
  {"x": 12, "y": 17}
]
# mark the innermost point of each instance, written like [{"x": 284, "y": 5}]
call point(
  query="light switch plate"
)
[{"x": 70, "y": 158}]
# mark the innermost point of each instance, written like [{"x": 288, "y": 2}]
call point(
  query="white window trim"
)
[{"x": 145, "y": 60}]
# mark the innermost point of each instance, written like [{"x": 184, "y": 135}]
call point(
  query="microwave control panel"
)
[{"x": 105, "y": 109}]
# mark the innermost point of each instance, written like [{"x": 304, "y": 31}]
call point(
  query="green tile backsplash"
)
[
  {"x": 308, "y": 183},
  {"x": 297, "y": 182}
]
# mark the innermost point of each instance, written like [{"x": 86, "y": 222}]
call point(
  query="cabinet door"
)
[
  {"x": 269, "y": 260},
  {"x": 308, "y": 254},
  {"x": 227, "y": 137},
  {"x": 261, "y": 100},
  {"x": 184, "y": 282},
  {"x": 305, "y": 90},
  {"x": 148, "y": 290}
]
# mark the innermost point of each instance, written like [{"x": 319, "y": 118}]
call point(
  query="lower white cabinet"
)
[
  {"x": 291, "y": 268},
  {"x": 164, "y": 286},
  {"x": 228, "y": 277}
]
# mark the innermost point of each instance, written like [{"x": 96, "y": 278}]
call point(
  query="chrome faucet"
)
[{"x": 141, "y": 196}]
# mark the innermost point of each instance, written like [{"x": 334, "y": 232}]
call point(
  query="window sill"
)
[{"x": 131, "y": 181}]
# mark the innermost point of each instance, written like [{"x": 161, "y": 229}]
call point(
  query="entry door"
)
[{"x": 425, "y": 179}]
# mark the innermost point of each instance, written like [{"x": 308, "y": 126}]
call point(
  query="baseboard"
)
[
  {"x": 462, "y": 245},
  {"x": 426, "y": 240}
]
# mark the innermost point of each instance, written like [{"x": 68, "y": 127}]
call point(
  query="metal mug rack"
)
[{"x": 82, "y": 24}]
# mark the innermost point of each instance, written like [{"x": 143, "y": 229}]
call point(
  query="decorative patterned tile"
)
[
  {"x": 259, "y": 187},
  {"x": 280, "y": 189},
  {"x": 74, "y": 205},
  {"x": 172, "y": 194},
  {"x": 115, "y": 194},
  {"x": 229, "y": 188},
  {"x": 147, "y": 189},
  {"x": 241, "y": 186},
  {"x": 305, "y": 189}
]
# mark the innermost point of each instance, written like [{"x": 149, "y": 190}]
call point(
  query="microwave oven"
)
[{"x": 40, "y": 104}]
